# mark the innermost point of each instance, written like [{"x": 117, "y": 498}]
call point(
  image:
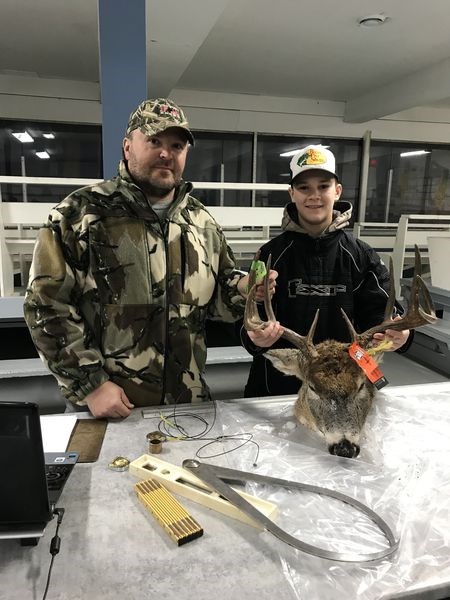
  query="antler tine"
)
[
  {"x": 429, "y": 314},
  {"x": 417, "y": 261},
  {"x": 388, "y": 311},
  {"x": 267, "y": 300},
  {"x": 350, "y": 327},
  {"x": 302, "y": 342},
  {"x": 366, "y": 336},
  {"x": 253, "y": 322},
  {"x": 416, "y": 315}
]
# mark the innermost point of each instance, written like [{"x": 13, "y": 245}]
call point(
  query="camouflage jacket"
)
[{"x": 116, "y": 294}]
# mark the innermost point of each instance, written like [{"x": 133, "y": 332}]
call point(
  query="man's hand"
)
[
  {"x": 109, "y": 400},
  {"x": 264, "y": 338},
  {"x": 259, "y": 295},
  {"x": 398, "y": 338}
]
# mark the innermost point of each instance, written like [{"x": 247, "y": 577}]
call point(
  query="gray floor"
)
[{"x": 228, "y": 381}]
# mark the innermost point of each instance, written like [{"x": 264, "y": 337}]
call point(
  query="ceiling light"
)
[
  {"x": 43, "y": 154},
  {"x": 49, "y": 136},
  {"x": 372, "y": 20},
  {"x": 23, "y": 137},
  {"x": 415, "y": 153}
]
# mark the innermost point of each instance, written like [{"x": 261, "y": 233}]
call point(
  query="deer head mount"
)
[{"x": 336, "y": 396}]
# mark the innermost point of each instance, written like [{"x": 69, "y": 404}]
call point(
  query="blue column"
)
[{"x": 123, "y": 71}]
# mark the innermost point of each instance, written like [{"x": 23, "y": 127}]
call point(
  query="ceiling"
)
[{"x": 287, "y": 48}]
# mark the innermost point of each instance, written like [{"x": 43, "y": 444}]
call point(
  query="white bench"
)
[
  {"x": 399, "y": 240},
  {"x": 19, "y": 224}
]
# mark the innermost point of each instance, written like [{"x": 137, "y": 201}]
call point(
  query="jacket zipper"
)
[
  {"x": 166, "y": 307},
  {"x": 183, "y": 260}
]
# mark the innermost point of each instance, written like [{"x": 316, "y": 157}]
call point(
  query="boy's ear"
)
[{"x": 338, "y": 191}]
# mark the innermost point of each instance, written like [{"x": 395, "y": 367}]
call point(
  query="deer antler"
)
[
  {"x": 253, "y": 322},
  {"x": 415, "y": 316}
]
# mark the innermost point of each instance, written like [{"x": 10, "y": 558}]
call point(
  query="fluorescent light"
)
[
  {"x": 290, "y": 153},
  {"x": 43, "y": 154},
  {"x": 415, "y": 153},
  {"x": 49, "y": 136},
  {"x": 23, "y": 137}
]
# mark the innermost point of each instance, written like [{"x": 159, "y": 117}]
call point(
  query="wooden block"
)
[
  {"x": 176, "y": 521},
  {"x": 184, "y": 483}
]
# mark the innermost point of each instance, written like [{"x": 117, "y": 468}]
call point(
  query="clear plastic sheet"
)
[{"x": 402, "y": 473}]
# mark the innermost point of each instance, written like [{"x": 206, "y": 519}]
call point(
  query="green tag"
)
[{"x": 260, "y": 270}]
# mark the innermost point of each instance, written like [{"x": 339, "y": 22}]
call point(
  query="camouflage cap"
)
[{"x": 154, "y": 116}]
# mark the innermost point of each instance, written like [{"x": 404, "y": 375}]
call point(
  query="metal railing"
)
[{"x": 198, "y": 185}]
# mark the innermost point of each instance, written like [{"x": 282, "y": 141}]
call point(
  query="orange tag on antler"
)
[{"x": 371, "y": 369}]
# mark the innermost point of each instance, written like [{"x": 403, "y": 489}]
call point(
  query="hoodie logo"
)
[{"x": 296, "y": 287}]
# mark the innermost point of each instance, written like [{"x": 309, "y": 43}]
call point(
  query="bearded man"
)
[{"x": 125, "y": 274}]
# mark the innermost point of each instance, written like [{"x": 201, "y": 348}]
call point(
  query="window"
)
[
  {"x": 221, "y": 157},
  {"x": 69, "y": 151},
  {"x": 407, "y": 178},
  {"x": 274, "y": 168}
]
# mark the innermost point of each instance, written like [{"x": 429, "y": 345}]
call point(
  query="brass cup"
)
[{"x": 155, "y": 441}]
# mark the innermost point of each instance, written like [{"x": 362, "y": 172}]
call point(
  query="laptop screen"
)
[{"x": 24, "y": 497}]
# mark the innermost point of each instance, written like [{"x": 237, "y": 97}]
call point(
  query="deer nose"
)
[{"x": 344, "y": 448}]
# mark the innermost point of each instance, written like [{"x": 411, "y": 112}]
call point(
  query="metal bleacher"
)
[{"x": 398, "y": 240}]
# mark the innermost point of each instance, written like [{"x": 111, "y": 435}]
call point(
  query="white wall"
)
[{"x": 79, "y": 102}]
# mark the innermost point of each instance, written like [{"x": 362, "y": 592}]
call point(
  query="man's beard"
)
[{"x": 152, "y": 189}]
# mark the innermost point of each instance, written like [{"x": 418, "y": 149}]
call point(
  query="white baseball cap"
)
[{"x": 316, "y": 157}]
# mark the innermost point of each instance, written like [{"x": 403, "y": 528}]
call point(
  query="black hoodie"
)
[{"x": 329, "y": 272}]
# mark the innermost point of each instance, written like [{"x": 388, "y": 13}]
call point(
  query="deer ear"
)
[{"x": 287, "y": 360}]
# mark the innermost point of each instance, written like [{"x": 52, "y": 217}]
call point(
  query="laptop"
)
[{"x": 31, "y": 482}]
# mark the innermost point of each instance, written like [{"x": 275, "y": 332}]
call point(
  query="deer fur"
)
[{"x": 335, "y": 397}]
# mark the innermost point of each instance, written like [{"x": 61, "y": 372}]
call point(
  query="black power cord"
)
[{"x": 55, "y": 545}]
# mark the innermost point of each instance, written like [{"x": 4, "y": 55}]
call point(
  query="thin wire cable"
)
[
  {"x": 54, "y": 547},
  {"x": 48, "y": 578},
  {"x": 171, "y": 427}
]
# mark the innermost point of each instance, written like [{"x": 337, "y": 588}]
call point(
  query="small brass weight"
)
[{"x": 155, "y": 440}]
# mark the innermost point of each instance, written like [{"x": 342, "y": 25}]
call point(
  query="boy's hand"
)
[
  {"x": 259, "y": 295},
  {"x": 398, "y": 338},
  {"x": 264, "y": 338}
]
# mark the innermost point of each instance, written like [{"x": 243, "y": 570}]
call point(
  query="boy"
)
[{"x": 321, "y": 266}]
